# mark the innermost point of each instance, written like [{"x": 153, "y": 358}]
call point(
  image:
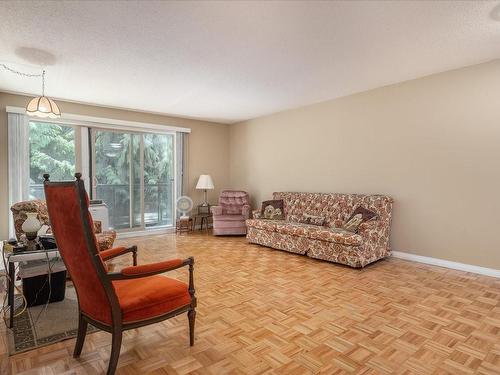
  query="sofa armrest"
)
[
  {"x": 245, "y": 211},
  {"x": 256, "y": 214},
  {"x": 216, "y": 210},
  {"x": 368, "y": 226},
  {"x": 374, "y": 233}
]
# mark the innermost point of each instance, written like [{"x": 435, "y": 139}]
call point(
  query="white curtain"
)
[
  {"x": 180, "y": 158},
  {"x": 18, "y": 132}
]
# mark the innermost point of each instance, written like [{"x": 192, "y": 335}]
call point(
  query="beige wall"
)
[
  {"x": 433, "y": 144},
  {"x": 208, "y": 151}
]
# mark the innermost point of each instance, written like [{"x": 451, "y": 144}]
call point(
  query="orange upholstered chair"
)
[{"x": 112, "y": 301}]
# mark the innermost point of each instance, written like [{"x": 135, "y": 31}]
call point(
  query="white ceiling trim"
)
[{"x": 104, "y": 122}]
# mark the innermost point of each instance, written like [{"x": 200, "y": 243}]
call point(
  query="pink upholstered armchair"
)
[{"x": 230, "y": 215}]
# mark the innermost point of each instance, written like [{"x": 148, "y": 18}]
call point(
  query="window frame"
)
[{"x": 82, "y": 124}]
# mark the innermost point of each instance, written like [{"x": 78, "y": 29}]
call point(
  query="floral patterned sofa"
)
[{"x": 368, "y": 245}]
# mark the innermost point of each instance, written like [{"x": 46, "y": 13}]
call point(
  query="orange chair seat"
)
[{"x": 151, "y": 296}]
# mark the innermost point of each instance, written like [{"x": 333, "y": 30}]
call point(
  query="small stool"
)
[{"x": 184, "y": 225}]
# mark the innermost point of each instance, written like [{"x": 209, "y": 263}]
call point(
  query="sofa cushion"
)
[
  {"x": 312, "y": 219},
  {"x": 264, "y": 224},
  {"x": 337, "y": 235},
  {"x": 296, "y": 229},
  {"x": 229, "y": 218}
]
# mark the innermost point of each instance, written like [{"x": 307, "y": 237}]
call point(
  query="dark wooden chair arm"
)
[
  {"x": 146, "y": 270},
  {"x": 117, "y": 251}
]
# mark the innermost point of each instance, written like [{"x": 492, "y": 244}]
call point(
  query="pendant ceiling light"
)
[{"x": 41, "y": 106}]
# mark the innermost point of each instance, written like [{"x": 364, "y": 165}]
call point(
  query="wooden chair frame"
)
[{"x": 117, "y": 325}]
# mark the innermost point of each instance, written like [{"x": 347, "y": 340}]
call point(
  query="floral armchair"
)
[
  {"x": 104, "y": 239},
  {"x": 230, "y": 215}
]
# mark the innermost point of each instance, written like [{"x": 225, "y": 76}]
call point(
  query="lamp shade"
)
[
  {"x": 43, "y": 107},
  {"x": 205, "y": 182}
]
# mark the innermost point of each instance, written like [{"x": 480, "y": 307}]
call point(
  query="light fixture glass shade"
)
[
  {"x": 205, "y": 182},
  {"x": 43, "y": 107}
]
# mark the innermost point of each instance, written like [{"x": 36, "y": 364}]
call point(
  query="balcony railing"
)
[{"x": 158, "y": 203}]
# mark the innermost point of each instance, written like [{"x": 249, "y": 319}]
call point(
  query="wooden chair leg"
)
[
  {"x": 192, "y": 318},
  {"x": 80, "y": 338},
  {"x": 115, "y": 352},
  {"x": 134, "y": 255}
]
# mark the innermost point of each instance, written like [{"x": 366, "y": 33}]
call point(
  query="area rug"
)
[{"x": 43, "y": 325}]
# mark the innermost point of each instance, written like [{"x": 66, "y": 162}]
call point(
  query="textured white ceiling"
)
[{"x": 230, "y": 61}]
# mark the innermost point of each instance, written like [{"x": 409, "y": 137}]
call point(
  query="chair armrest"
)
[
  {"x": 216, "y": 210},
  {"x": 256, "y": 214},
  {"x": 151, "y": 269},
  {"x": 245, "y": 211},
  {"x": 117, "y": 251}
]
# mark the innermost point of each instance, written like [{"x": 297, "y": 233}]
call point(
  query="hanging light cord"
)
[
  {"x": 21, "y": 73},
  {"x": 27, "y": 75}
]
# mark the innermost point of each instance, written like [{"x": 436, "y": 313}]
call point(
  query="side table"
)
[
  {"x": 204, "y": 215},
  {"x": 184, "y": 225},
  {"x": 23, "y": 256}
]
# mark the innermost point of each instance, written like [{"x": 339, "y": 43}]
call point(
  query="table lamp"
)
[{"x": 205, "y": 183}]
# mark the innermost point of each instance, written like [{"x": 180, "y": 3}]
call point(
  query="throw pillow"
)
[
  {"x": 312, "y": 219},
  {"x": 273, "y": 210},
  {"x": 359, "y": 216}
]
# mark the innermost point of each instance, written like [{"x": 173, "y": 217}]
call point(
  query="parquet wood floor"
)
[{"x": 264, "y": 311}]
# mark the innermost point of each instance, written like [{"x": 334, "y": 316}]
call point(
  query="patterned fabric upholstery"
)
[
  {"x": 20, "y": 209},
  {"x": 232, "y": 202},
  {"x": 269, "y": 225},
  {"x": 230, "y": 215},
  {"x": 328, "y": 242},
  {"x": 105, "y": 239},
  {"x": 306, "y": 230}
]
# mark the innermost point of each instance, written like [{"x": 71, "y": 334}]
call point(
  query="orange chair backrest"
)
[{"x": 67, "y": 203}]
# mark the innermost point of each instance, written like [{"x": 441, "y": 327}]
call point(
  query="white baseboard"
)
[{"x": 447, "y": 264}]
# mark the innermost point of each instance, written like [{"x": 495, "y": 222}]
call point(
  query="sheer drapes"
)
[
  {"x": 18, "y": 133},
  {"x": 180, "y": 158}
]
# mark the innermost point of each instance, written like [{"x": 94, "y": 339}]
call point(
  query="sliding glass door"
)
[
  {"x": 158, "y": 179},
  {"x": 133, "y": 173}
]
